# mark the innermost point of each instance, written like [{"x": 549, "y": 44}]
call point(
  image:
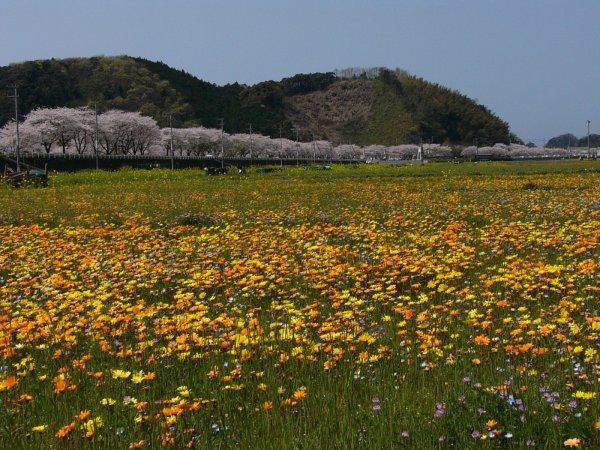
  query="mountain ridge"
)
[{"x": 361, "y": 106}]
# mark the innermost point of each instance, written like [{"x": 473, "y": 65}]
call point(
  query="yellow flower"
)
[
  {"x": 91, "y": 426},
  {"x": 39, "y": 428},
  {"x": 183, "y": 391},
  {"x": 584, "y": 395},
  {"x": 141, "y": 418},
  {"x": 120, "y": 374},
  {"x": 138, "y": 377},
  {"x": 573, "y": 442},
  {"x": 171, "y": 420}
]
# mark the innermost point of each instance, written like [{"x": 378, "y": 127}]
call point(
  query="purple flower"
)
[
  {"x": 530, "y": 443},
  {"x": 405, "y": 434},
  {"x": 376, "y": 406},
  {"x": 475, "y": 434},
  {"x": 439, "y": 410}
]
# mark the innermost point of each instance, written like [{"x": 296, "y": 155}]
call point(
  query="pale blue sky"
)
[{"x": 534, "y": 63}]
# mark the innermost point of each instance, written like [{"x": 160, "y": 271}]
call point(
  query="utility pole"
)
[
  {"x": 589, "y": 151},
  {"x": 295, "y": 129},
  {"x": 172, "y": 151},
  {"x": 16, "y": 97},
  {"x": 280, "y": 148},
  {"x": 222, "y": 125},
  {"x": 250, "y": 126},
  {"x": 96, "y": 135}
]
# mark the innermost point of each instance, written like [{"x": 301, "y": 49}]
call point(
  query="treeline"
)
[
  {"x": 570, "y": 140},
  {"x": 115, "y": 132},
  {"x": 428, "y": 112},
  {"x": 111, "y": 83}
]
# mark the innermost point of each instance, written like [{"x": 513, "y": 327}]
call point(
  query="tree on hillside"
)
[
  {"x": 594, "y": 141},
  {"x": 562, "y": 141}
]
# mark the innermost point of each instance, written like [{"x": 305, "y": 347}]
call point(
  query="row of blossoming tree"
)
[{"x": 115, "y": 132}]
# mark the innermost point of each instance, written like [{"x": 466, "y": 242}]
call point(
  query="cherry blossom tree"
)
[
  {"x": 39, "y": 129},
  {"x": 84, "y": 131},
  {"x": 127, "y": 132},
  {"x": 197, "y": 141},
  {"x": 8, "y": 137}
]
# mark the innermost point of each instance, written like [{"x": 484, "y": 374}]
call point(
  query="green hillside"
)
[{"x": 389, "y": 108}]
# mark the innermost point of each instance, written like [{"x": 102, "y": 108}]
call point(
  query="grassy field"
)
[{"x": 378, "y": 307}]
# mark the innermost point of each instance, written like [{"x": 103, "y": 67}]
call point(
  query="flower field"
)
[{"x": 374, "y": 307}]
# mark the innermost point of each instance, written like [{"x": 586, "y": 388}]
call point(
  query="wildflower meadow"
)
[{"x": 376, "y": 307}]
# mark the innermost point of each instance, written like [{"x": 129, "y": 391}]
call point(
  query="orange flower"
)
[
  {"x": 23, "y": 398},
  {"x": 59, "y": 385},
  {"x": 299, "y": 394},
  {"x": 83, "y": 415},
  {"x": 266, "y": 405},
  {"x": 65, "y": 431},
  {"x": 8, "y": 383},
  {"x": 482, "y": 340},
  {"x": 491, "y": 423}
]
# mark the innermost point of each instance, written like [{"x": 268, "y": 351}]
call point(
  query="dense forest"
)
[
  {"x": 373, "y": 106},
  {"x": 570, "y": 140}
]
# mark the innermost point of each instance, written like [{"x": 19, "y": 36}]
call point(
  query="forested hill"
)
[{"x": 375, "y": 106}]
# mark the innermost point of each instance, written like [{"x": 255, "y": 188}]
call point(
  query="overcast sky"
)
[{"x": 534, "y": 63}]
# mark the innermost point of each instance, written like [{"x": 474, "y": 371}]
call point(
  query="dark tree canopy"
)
[{"x": 563, "y": 141}]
